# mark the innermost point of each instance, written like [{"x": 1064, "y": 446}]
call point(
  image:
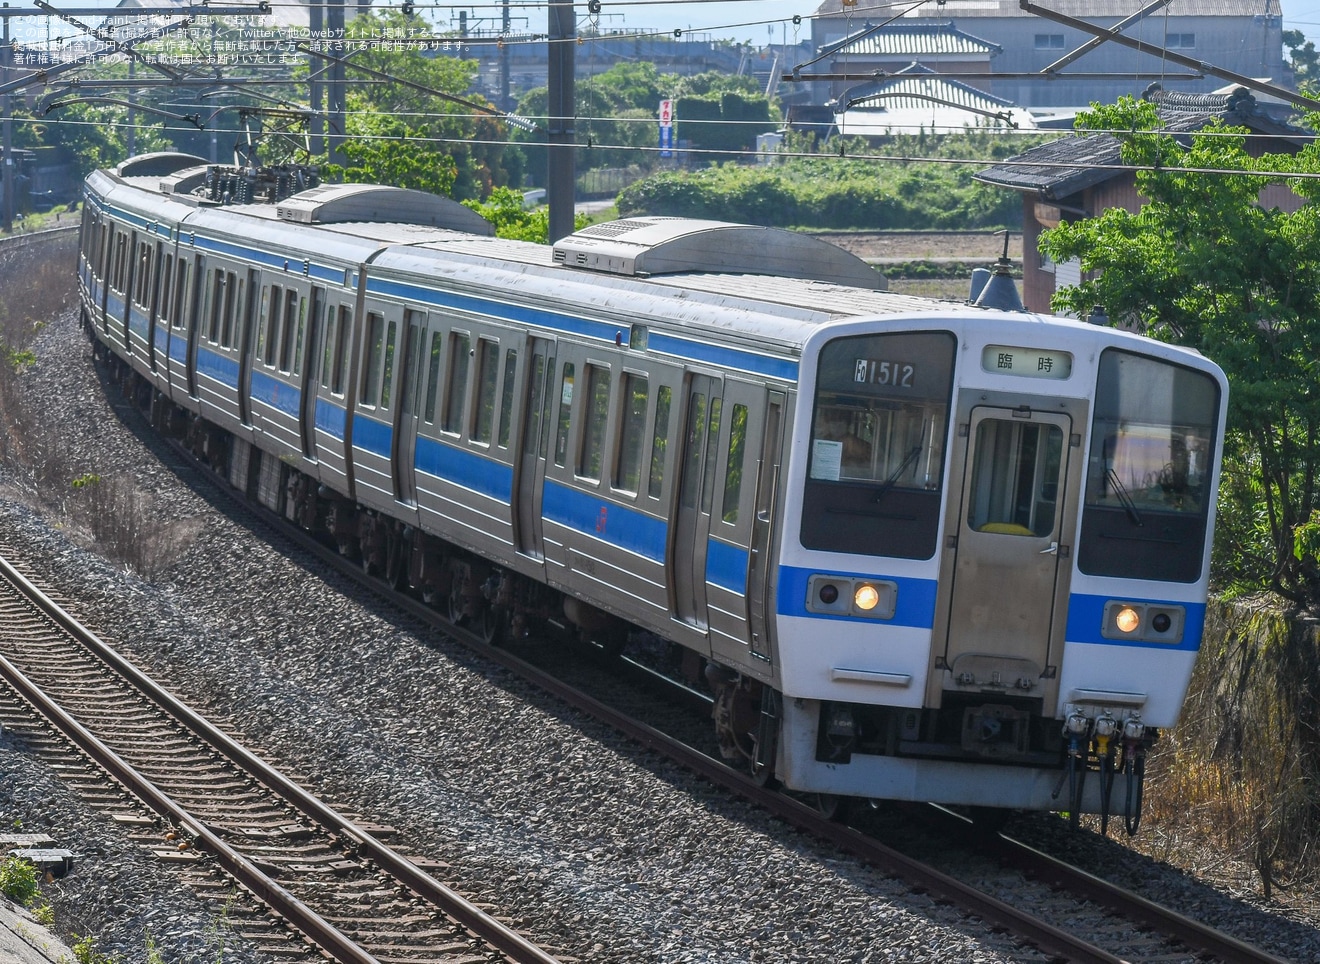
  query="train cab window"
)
[
  {"x": 506, "y": 397},
  {"x": 1148, "y": 491},
  {"x": 655, "y": 484},
  {"x": 375, "y": 356},
  {"x": 636, "y": 395},
  {"x": 733, "y": 472},
  {"x": 387, "y": 373},
  {"x": 597, "y": 419},
  {"x": 488, "y": 377},
  {"x": 876, "y": 451},
  {"x": 460, "y": 349},
  {"x": 565, "y": 414},
  {"x": 433, "y": 376}
]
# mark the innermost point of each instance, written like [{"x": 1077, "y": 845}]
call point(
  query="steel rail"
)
[{"x": 316, "y": 928}]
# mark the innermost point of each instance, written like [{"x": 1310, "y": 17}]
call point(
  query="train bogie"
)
[{"x": 924, "y": 551}]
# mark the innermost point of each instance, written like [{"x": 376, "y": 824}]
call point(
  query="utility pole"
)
[
  {"x": 316, "y": 21},
  {"x": 560, "y": 176},
  {"x": 335, "y": 27},
  {"x": 8, "y": 124}
]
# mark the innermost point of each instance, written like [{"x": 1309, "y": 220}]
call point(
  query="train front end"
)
[{"x": 994, "y": 559}]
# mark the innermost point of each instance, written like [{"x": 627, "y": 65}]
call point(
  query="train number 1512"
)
[{"x": 893, "y": 373}]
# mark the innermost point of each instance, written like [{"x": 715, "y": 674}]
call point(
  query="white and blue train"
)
[{"x": 922, "y": 550}]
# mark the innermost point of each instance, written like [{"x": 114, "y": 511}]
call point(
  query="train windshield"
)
[
  {"x": 1148, "y": 477},
  {"x": 877, "y": 444}
]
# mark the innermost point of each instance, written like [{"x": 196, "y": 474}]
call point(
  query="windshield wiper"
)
[
  {"x": 1125, "y": 500},
  {"x": 897, "y": 474}
]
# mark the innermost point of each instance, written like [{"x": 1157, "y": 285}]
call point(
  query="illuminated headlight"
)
[
  {"x": 1144, "y": 622},
  {"x": 866, "y": 597},
  {"x": 848, "y": 596},
  {"x": 1128, "y": 621}
]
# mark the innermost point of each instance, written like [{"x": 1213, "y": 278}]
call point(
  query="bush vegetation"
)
[{"x": 841, "y": 190}]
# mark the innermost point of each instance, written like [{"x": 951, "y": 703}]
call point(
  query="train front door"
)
[
  {"x": 1005, "y": 560},
  {"x": 538, "y": 398},
  {"x": 701, "y": 431}
]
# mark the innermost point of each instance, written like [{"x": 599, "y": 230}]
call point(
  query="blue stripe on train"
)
[
  {"x": 914, "y": 606},
  {"x": 451, "y": 463},
  {"x": 618, "y": 525},
  {"x": 1086, "y": 616}
]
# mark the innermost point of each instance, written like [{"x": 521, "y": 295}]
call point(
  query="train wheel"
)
[
  {"x": 494, "y": 625},
  {"x": 457, "y": 601},
  {"x": 831, "y": 806},
  {"x": 395, "y": 570}
]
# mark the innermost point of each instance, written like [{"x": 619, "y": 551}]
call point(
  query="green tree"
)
[
  {"x": 1305, "y": 60},
  {"x": 423, "y": 130},
  {"x": 1203, "y": 264},
  {"x": 505, "y": 210}
]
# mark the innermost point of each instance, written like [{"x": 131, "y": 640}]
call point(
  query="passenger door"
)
[
  {"x": 411, "y": 371},
  {"x": 538, "y": 400},
  {"x": 701, "y": 428},
  {"x": 760, "y": 576},
  {"x": 1010, "y": 567}
]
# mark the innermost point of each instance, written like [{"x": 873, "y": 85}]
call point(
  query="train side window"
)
[
  {"x": 270, "y": 311},
  {"x": 233, "y": 292},
  {"x": 733, "y": 473},
  {"x": 565, "y": 414},
  {"x": 343, "y": 350},
  {"x": 333, "y": 332},
  {"x": 216, "y": 293},
  {"x": 628, "y": 470},
  {"x": 375, "y": 354},
  {"x": 535, "y": 395},
  {"x": 506, "y": 396},
  {"x": 488, "y": 374},
  {"x": 142, "y": 282},
  {"x": 177, "y": 318},
  {"x": 664, "y": 398},
  {"x": 298, "y": 340},
  {"x": 287, "y": 329},
  {"x": 433, "y": 376},
  {"x": 166, "y": 277},
  {"x": 547, "y": 406},
  {"x": 387, "y": 377},
  {"x": 460, "y": 347},
  {"x": 597, "y": 419},
  {"x": 712, "y": 434}
]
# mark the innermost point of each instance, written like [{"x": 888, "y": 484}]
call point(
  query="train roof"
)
[{"x": 761, "y": 286}]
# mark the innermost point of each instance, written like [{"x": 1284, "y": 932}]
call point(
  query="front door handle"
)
[{"x": 1053, "y": 548}]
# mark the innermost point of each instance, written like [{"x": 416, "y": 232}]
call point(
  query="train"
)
[{"x": 914, "y": 550}]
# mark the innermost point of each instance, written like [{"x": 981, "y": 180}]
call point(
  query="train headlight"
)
[
  {"x": 831, "y": 595},
  {"x": 1128, "y": 620},
  {"x": 866, "y": 597},
  {"x": 1145, "y": 622}
]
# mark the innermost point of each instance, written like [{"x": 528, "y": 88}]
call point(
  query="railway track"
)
[
  {"x": 216, "y": 805},
  {"x": 1121, "y": 926}
]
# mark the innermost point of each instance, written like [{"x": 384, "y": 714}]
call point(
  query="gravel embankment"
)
[{"x": 581, "y": 838}]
